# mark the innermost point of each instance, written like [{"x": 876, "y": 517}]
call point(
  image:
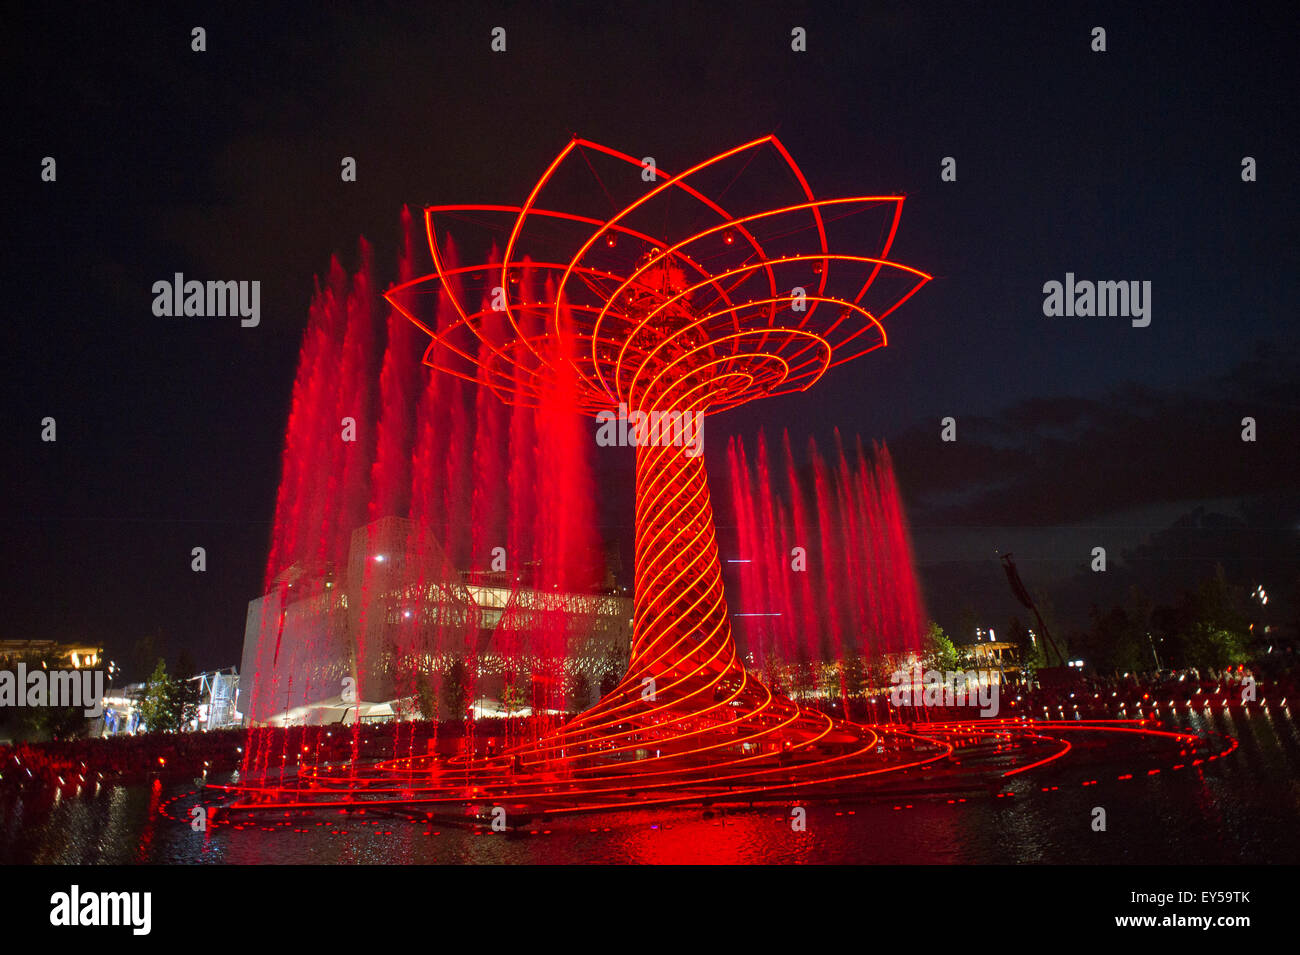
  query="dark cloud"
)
[{"x": 1068, "y": 459}]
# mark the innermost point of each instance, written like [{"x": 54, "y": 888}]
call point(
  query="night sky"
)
[{"x": 1072, "y": 432}]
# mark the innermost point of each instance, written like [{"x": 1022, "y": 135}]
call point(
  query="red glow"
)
[
  {"x": 655, "y": 329},
  {"x": 758, "y": 303}
]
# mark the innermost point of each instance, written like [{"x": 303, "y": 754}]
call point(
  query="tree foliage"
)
[
  {"x": 1206, "y": 628},
  {"x": 169, "y": 703},
  {"x": 938, "y": 650}
]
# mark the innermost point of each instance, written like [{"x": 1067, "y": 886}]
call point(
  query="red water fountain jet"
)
[
  {"x": 817, "y": 637},
  {"x": 323, "y": 492},
  {"x": 371, "y": 438},
  {"x": 859, "y": 557}
]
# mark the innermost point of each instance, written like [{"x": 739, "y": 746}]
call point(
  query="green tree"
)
[
  {"x": 1214, "y": 647},
  {"x": 169, "y": 704},
  {"x": 1209, "y": 627},
  {"x": 153, "y": 704},
  {"x": 938, "y": 651}
]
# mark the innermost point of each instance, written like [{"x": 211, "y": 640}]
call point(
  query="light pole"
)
[{"x": 1152, "y": 644}]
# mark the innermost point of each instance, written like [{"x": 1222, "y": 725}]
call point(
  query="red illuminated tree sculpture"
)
[{"x": 636, "y": 290}]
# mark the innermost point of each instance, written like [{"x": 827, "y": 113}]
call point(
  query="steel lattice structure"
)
[{"x": 739, "y": 304}]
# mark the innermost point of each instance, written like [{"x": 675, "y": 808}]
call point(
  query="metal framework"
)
[{"x": 741, "y": 303}]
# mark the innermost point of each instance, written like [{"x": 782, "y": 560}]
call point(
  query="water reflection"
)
[{"x": 1243, "y": 808}]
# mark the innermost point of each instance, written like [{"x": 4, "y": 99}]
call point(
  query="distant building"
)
[
  {"x": 330, "y": 644},
  {"x": 218, "y": 699},
  {"x": 996, "y": 661},
  {"x": 33, "y": 653},
  {"x": 72, "y": 655}
]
